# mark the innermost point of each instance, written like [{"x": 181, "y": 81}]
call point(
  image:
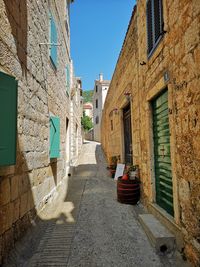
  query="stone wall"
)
[
  {"x": 178, "y": 57},
  {"x": 27, "y": 186},
  {"x": 76, "y": 114}
]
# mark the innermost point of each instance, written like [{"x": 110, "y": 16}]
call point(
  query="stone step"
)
[{"x": 159, "y": 236}]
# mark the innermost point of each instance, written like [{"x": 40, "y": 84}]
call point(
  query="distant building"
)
[
  {"x": 100, "y": 91},
  {"x": 88, "y": 109}
]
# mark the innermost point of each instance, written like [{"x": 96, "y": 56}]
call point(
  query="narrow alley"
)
[
  {"x": 87, "y": 226},
  {"x": 72, "y": 71}
]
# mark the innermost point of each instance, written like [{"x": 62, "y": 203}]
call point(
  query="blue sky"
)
[{"x": 98, "y": 28}]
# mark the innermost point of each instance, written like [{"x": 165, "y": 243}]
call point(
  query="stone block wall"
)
[
  {"x": 24, "y": 54},
  {"x": 76, "y": 114},
  {"x": 178, "y": 56}
]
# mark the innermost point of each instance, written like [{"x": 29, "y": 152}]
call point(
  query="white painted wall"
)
[{"x": 100, "y": 95}]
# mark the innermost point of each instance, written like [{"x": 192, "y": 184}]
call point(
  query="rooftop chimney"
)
[{"x": 101, "y": 77}]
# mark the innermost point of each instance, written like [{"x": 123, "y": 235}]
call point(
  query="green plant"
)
[
  {"x": 133, "y": 172},
  {"x": 113, "y": 162},
  {"x": 114, "y": 159},
  {"x": 86, "y": 122},
  {"x": 87, "y": 96},
  {"x": 132, "y": 168}
]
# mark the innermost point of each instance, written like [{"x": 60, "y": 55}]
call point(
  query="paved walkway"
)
[{"x": 87, "y": 227}]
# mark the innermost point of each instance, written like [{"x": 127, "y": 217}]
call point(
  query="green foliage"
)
[
  {"x": 86, "y": 122},
  {"x": 87, "y": 96}
]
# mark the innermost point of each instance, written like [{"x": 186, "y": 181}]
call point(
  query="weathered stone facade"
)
[
  {"x": 175, "y": 65},
  {"x": 24, "y": 54},
  {"x": 76, "y": 114}
]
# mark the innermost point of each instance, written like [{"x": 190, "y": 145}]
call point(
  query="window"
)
[
  {"x": 53, "y": 41},
  {"x": 67, "y": 74},
  {"x": 96, "y": 88},
  {"x": 54, "y": 137},
  {"x": 96, "y": 103},
  {"x": 8, "y": 119},
  {"x": 155, "y": 23},
  {"x": 111, "y": 125},
  {"x": 67, "y": 26},
  {"x": 97, "y": 119}
]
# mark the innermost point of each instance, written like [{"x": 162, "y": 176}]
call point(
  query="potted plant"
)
[
  {"x": 133, "y": 172},
  {"x": 112, "y": 167}
]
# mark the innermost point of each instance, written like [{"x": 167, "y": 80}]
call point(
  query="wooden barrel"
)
[{"x": 128, "y": 191}]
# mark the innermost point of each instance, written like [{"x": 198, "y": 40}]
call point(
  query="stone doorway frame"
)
[
  {"x": 152, "y": 93},
  {"x": 123, "y": 105}
]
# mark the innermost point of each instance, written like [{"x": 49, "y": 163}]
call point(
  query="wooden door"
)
[
  {"x": 161, "y": 134},
  {"x": 127, "y": 134}
]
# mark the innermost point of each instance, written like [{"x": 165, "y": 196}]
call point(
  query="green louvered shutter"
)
[
  {"x": 163, "y": 172},
  {"x": 149, "y": 26},
  {"x": 54, "y": 137},
  {"x": 8, "y": 119},
  {"x": 53, "y": 49},
  {"x": 67, "y": 79},
  {"x": 155, "y": 23},
  {"x": 158, "y": 19}
]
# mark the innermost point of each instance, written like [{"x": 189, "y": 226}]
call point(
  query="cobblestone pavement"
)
[{"x": 88, "y": 227}]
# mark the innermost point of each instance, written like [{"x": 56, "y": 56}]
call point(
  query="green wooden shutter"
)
[
  {"x": 163, "y": 172},
  {"x": 158, "y": 19},
  {"x": 155, "y": 23},
  {"x": 54, "y": 137},
  {"x": 67, "y": 72},
  {"x": 53, "y": 33},
  {"x": 8, "y": 119}
]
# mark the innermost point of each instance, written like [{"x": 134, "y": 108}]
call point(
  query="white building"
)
[
  {"x": 88, "y": 109},
  {"x": 100, "y": 91}
]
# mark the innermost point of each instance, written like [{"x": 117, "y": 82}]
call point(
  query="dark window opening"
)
[
  {"x": 111, "y": 125},
  {"x": 96, "y": 103},
  {"x": 155, "y": 23},
  {"x": 97, "y": 119},
  {"x": 96, "y": 88}
]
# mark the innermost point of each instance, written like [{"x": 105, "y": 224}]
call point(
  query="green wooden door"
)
[{"x": 163, "y": 174}]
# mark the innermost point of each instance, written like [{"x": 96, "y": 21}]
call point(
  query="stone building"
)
[
  {"x": 100, "y": 91},
  {"x": 88, "y": 109},
  {"x": 35, "y": 111},
  {"x": 151, "y": 115},
  {"x": 76, "y": 114}
]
